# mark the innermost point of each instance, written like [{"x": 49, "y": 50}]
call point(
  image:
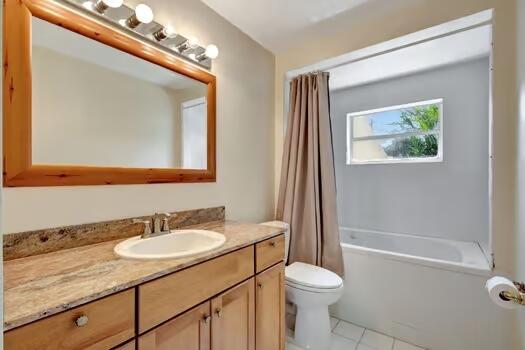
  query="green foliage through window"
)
[{"x": 416, "y": 119}]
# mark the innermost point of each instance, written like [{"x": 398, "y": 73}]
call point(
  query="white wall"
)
[
  {"x": 520, "y": 203},
  {"x": 446, "y": 199},
  {"x": 245, "y": 155},
  {"x": 104, "y": 117}
]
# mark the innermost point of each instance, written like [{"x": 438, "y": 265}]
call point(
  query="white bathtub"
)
[
  {"x": 433, "y": 252},
  {"x": 429, "y": 292}
]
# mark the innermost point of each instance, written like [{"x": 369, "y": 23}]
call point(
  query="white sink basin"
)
[{"x": 176, "y": 244}]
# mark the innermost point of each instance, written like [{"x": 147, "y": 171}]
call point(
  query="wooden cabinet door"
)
[
  {"x": 127, "y": 346},
  {"x": 269, "y": 309},
  {"x": 189, "y": 331},
  {"x": 233, "y": 318}
]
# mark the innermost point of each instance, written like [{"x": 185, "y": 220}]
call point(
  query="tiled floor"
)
[{"x": 348, "y": 336}]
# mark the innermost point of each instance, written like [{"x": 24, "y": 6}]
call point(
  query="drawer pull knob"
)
[
  {"x": 260, "y": 285},
  {"x": 207, "y": 319},
  {"x": 81, "y": 321},
  {"x": 219, "y": 312},
  {"x": 272, "y": 244}
]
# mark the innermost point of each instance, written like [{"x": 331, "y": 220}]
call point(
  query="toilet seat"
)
[{"x": 311, "y": 278}]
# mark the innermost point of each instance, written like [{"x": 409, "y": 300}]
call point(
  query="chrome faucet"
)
[
  {"x": 160, "y": 223},
  {"x": 147, "y": 227}
]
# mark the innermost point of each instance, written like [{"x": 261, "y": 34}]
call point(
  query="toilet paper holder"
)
[{"x": 515, "y": 297}]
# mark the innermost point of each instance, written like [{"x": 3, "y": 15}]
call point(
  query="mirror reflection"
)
[{"x": 111, "y": 109}]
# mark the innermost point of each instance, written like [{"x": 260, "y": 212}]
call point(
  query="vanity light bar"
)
[
  {"x": 164, "y": 33},
  {"x": 140, "y": 21},
  {"x": 189, "y": 44},
  {"x": 102, "y": 5}
]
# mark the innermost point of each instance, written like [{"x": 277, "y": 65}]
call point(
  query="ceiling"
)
[
  {"x": 459, "y": 47},
  {"x": 276, "y": 24}
]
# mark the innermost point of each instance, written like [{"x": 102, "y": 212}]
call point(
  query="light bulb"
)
[
  {"x": 212, "y": 51},
  {"x": 169, "y": 31},
  {"x": 88, "y": 5},
  {"x": 113, "y": 3},
  {"x": 144, "y": 13},
  {"x": 192, "y": 56},
  {"x": 122, "y": 22},
  {"x": 102, "y": 5}
]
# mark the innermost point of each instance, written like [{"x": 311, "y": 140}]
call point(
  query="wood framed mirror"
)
[{"x": 85, "y": 103}]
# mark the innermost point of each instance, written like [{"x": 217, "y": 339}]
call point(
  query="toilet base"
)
[{"x": 312, "y": 328}]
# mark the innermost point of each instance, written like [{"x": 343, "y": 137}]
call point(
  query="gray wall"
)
[{"x": 448, "y": 199}]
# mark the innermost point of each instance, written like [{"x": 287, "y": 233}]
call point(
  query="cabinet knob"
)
[
  {"x": 218, "y": 312},
  {"x": 207, "y": 319},
  {"x": 81, "y": 321},
  {"x": 272, "y": 244},
  {"x": 260, "y": 285}
]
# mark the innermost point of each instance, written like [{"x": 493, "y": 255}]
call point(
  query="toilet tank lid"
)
[{"x": 312, "y": 276}]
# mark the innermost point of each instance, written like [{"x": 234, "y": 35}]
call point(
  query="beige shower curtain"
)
[{"x": 307, "y": 193}]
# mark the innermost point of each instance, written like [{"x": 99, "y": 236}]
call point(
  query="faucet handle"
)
[
  {"x": 166, "y": 222},
  {"x": 147, "y": 225}
]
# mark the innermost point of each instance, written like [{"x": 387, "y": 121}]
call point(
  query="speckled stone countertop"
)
[{"x": 43, "y": 285}]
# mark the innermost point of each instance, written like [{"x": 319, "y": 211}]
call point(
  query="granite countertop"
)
[{"x": 43, "y": 285}]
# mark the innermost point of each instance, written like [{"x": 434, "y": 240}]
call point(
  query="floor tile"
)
[
  {"x": 342, "y": 343},
  {"x": 364, "y": 347},
  {"x": 333, "y": 322},
  {"x": 401, "y": 345},
  {"x": 377, "y": 341},
  {"x": 349, "y": 330}
]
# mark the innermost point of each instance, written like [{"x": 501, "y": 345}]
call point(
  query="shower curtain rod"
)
[{"x": 329, "y": 67}]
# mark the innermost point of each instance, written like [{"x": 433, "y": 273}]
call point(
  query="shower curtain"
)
[{"x": 307, "y": 193}]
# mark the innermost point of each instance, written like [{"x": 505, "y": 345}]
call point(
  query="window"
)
[{"x": 399, "y": 134}]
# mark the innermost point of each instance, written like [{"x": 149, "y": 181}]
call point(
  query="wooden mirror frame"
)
[{"x": 17, "y": 101}]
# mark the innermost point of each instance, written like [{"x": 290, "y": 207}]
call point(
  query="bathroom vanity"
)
[{"x": 88, "y": 298}]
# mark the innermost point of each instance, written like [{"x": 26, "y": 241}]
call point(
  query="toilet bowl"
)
[{"x": 311, "y": 289}]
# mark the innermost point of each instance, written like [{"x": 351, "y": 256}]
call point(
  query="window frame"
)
[{"x": 350, "y": 137}]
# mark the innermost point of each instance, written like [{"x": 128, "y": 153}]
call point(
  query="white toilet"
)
[{"x": 312, "y": 289}]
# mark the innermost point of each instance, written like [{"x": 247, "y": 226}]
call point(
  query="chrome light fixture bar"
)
[
  {"x": 139, "y": 23},
  {"x": 101, "y": 6},
  {"x": 164, "y": 33},
  {"x": 186, "y": 45}
]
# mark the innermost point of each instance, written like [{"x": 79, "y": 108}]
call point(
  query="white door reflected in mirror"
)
[{"x": 194, "y": 132}]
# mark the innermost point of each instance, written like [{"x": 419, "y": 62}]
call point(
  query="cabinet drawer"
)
[
  {"x": 166, "y": 297},
  {"x": 110, "y": 321},
  {"x": 269, "y": 252}
]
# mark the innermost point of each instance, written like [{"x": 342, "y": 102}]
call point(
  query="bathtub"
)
[
  {"x": 432, "y": 252},
  {"x": 426, "y": 291}
]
